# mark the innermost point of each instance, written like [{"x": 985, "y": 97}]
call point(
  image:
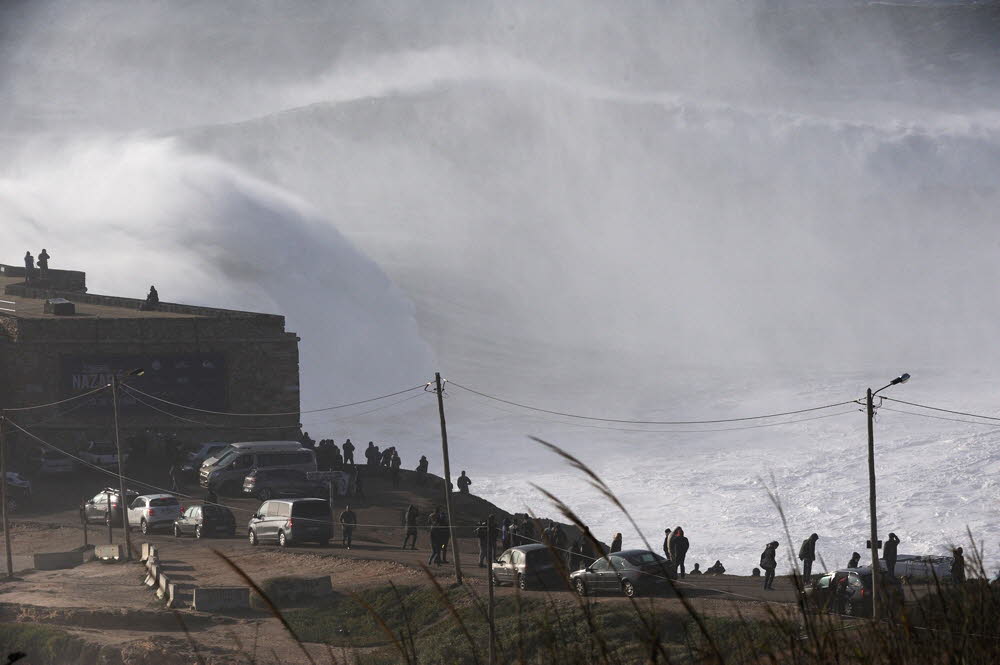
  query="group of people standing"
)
[{"x": 43, "y": 265}]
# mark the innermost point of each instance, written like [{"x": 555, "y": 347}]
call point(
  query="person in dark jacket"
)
[
  {"x": 678, "y": 546},
  {"x": 890, "y": 553},
  {"x": 463, "y": 483},
  {"x": 348, "y": 522},
  {"x": 616, "y": 543},
  {"x": 768, "y": 561},
  {"x": 29, "y": 266},
  {"x": 505, "y": 533},
  {"x": 855, "y": 561},
  {"x": 696, "y": 570},
  {"x": 807, "y": 554},
  {"x": 43, "y": 264},
  {"x": 483, "y": 536},
  {"x": 348, "y": 452},
  {"x": 666, "y": 543},
  {"x": 410, "y": 522},
  {"x": 716, "y": 568},
  {"x": 958, "y": 566},
  {"x": 394, "y": 465}
]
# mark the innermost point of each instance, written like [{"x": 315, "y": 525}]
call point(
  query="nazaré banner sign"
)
[{"x": 191, "y": 379}]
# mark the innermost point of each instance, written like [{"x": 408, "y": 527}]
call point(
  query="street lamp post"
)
[
  {"x": 876, "y": 569},
  {"x": 122, "y": 497}
]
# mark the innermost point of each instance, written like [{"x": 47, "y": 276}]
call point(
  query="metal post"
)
[
  {"x": 876, "y": 569},
  {"x": 491, "y": 555},
  {"x": 447, "y": 480},
  {"x": 107, "y": 517},
  {"x": 83, "y": 520},
  {"x": 122, "y": 497},
  {"x": 3, "y": 494}
]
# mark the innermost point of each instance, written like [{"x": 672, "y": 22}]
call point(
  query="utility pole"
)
[
  {"x": 122, "y": 497},
  {"x": 876, "y": 570},
  {"x": 107, "y": 518},
  {"x": 447, "y": 480},
  {"x": 491, "y": 555},
  {"x": 3, "y": 493}
]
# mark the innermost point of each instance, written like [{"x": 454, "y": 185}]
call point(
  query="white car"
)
[
  {"x": 52, "y": 461},
  {"x": 153, "y": 511},
  {"x": 102, "y": 454},
  {"x": 922, "y": 567}
]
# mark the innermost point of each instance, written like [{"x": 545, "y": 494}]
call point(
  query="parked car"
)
[
  {"x": 631, "y": 572},
  {"x": 97, "y": 510},
  {"x": 528, "y": 567},
  {"x": 855, "y": 589},
  {"x": 102, "y": 454},
  {"x": 18, "y": 491},
  {"x": 195, "y": 458},
  {"x": 274, "y": 483},
  {"x": 206, "y": 520},
  {"x": 153, "y": 511},
  {"x": 53, "y": 462},
  {"x": 922, "y": 568},
  {"x": 287, "y": 521},
  {"x": 226, "y": 472}
]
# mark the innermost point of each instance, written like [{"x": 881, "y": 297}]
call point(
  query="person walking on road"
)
[
  {"x": 348, "y": 521},
  {"x": 856, "y": 561},
  {"x": 410, "y": 522},
  {"x": 807, "y": 554},
  {"x": 768, "y": 561},
  {"x": 678, "y": 546},
  {"x": 348, "y": 452},
  {"x": 890, "y": 554},
  {"x": 483, "y": 536}
]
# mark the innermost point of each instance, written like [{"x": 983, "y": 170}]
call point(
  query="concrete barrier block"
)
[
  {"x": 144, "y": 552},
  {"x": 211, "y": 599},
  {"x": 110, "y": 552},
  {"x": 161, "y": 590},
  {"x": 154, "y": 574},
  {"x": 56, "y": 560},
  {"x": 171, "y": 595}
]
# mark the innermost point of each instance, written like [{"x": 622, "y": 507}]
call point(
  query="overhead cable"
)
[
  {"x": 266, "y": 415},
  {"x": 928, "y": 415},
  {"x": 652, "y": 422},
  {"x": 62, "y": 401},
  {"x": 935, "y": 408}
]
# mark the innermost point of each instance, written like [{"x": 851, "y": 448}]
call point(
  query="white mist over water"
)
[{"x": 682, "y": 212}]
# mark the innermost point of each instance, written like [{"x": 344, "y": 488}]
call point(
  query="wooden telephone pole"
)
[
  {"x": 3, "y": 494},
  {"x": 447, "y": 480}
]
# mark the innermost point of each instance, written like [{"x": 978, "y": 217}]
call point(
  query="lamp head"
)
[{"x": 902, "y": 378}]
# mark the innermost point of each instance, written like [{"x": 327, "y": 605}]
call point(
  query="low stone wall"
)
[
  {"x": 214, "y": 599},
  {"x": 61, "y": 560}
]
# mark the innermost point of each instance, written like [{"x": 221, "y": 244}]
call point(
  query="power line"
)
[
  {"x": 62, "y": 401},
  {"x": 681, "y": 431},
  {"x": 935, "y": 408},
  {"x": 651, "y": 422},
  {"x": 265, "y": 415},
  {"x": 927, "y": 415}
]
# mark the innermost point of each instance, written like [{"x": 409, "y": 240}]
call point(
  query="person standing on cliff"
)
[
  {"x": 348, "y": 452},
  {"x": 43, "y": 264},
  {"x": 29, "y": 266}
]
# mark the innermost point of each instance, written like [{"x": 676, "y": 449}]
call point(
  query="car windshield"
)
[
  {"x": 227, "y": 458},
  {"x": 209, "y": 510},
  {"x": 640, "y": 558},
  {"x": 164, "y": 501}
]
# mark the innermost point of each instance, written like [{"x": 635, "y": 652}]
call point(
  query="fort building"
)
[{"x": 57, "y": 342}]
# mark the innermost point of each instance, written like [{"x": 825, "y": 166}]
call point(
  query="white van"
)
[{"x": 227, "y": 468}]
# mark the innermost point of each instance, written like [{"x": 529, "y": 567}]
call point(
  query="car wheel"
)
[
  {"x": 144, "y": 527},
  {"x": 177, "y": 531},
  {"x": 253, "y": 537},
  {"x": 522, "y": 582},
  {"x": 264, "y": 494},
  {"x": 580, "y": 586},
  {"x": 197, "y": 532},
  {"x": 629, "y": 589},
  {"x": 282, "y": 541}
]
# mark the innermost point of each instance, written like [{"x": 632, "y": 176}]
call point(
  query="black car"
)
[
  {"x": 206, "y": 520},
  {"x": 276, "y": 483},
  {"x": 96, "y": 509},
  {"x": 288, "y": 521},
  {"x": 632, "y": 572},
  {"x": 849, "y": 591},
  {"x": 528, "y": 567}
]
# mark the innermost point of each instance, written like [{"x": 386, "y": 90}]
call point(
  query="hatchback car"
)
[
  {"x": 528, "y": 567},
  {"x": 275, "y": 483},
  {"x": 206, "y": 520},
  {"x": 849, "y": 591},
  {"x": 153, "y": 511},
  {"x": 631, "y": 572},
  {"x": 98, "y": 509},
  {"x": 288, "y": 521}
]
